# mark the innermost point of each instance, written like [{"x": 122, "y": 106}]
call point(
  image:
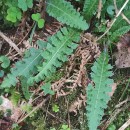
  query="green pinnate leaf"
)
[
  {"x": 90, "y": 7},
  {"x": 119, "y": 32},
  {"x": 5, "y": 62},
  {"x": 64, "y": 12},
  {"x": 97, "y": 95},
  {"x": 25, "y": 87},
  {"x": 24, "y": 68},
  {"x": 55, "y": 53}
]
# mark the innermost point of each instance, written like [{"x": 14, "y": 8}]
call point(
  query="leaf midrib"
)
[{"x": 41, "y": 72}]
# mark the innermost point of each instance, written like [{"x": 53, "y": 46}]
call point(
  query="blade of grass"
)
[{"x": 124, "y": 90}]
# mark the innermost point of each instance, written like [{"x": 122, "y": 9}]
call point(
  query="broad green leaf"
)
[{"x": 5, "y": 62}]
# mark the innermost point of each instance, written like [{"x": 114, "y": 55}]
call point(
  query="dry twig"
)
[{"x": 12, "y": 44}]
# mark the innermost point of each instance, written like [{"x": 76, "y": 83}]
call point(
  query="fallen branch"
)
[{"x": 12, "y": 44}]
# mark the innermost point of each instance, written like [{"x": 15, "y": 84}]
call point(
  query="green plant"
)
[
  {"x": 97, "y": 95},
  {"x": 41, "y": 64},
  {"x": 25, "y": 4},
  {"x": 13, "y": 14},
  {"x": 5, "y": 62},
  {"x": 58, "y": 48},
  {"x": 1, "y": 73},
  {"x": 1, "y": 100},
  {"x": 16, "y": 126},
  {"x": 112, "y": 127},
  {"x": 114, "y": 36},
  {"x": 15, "y": 97},
  {"x": 47, "y": 89},
  {"x": 65, "y": 13},
  {"x": 55, "y": 108},
  {"x": 89, "y": 9},
  {"x": 11, "y": 10},
  {"x": 52, "y": 129},
  {"x": 64, "y": 127},
  {"x": 28, "y": 64},
  {"x": 37, "y": 17},
  {"x": 39, "y": 124}
]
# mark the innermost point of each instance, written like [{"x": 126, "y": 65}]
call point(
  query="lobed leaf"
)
[
  {"x": 97, "y": 96},
  {"x": 64, "y": 12},
  {"x": 25, "y": 68},
  {"x": 59, "y": 46},
  {"x": 90, "y": 7}
]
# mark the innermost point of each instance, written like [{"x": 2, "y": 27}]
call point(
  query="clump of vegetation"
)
[{"x": 60, "y": 68}]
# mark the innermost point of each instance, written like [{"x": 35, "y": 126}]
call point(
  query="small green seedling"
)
[
  {"x": 25, "y": 4},
  {"x": 13, "y": 14},
  {"x": 37, "y": 17},
  {"x": 64, "y": 127},
  {"x": 55, "y": 108},
  {"x": 47, "y": 89}
]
